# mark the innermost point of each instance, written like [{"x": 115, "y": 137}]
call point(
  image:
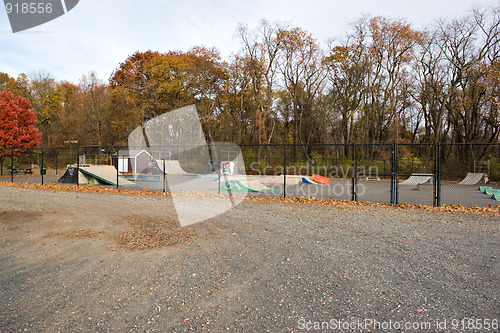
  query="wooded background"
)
[{"x": 383, "y": 81}]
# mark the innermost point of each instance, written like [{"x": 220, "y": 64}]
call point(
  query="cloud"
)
[{"x": 98, "y": 34}]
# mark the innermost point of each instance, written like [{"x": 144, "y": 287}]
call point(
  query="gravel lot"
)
[{"x": 88, "y": 262}]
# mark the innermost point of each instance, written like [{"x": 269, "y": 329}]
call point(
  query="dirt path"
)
[{"x": 80, "y": 262}]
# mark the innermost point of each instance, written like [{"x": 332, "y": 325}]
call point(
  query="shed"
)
[{"x": 132, "y": 161}]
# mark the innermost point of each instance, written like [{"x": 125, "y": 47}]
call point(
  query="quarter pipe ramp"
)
[
  {"x": 418, "y": 179},
  {"x": 172, "y": 167},
  {"x": 473, "y": 179}
]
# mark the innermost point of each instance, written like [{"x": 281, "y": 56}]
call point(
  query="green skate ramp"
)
[
  {"x": 491, "y": 191},
  {"x": 245, "y": 186},
  {"x": 105, "y": 174},
  {"x": 484, "y": 188}
]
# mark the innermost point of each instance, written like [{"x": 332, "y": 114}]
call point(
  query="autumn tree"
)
[
  {"x": 19, "y": 86},
  {"x": 391, "y": 45},
  {"x": 123, "y": 117},
  {"x": 303, "y": 76},
  {"x": 432, "y": 88},
  {"x": 69, "y": 123},
  {"x": 160, "y": 82},
  {"x": 260, "y": 60},
  {"x": 86, "y": 112},
  {"x": 195, "y": 77},
  {"x": 238, "y": 102},
  {"x": 95, "y": 104},
  {"x": 470, "y": 45},
  {"x": 369, "y": 75},
  {"x": 7, "y": 83},
  {"x": 383, "y": 81},
  {"x": 47, "y": 101},
  {"x": 348, "y": 65},
  {"x": 94, "y": 113},
  {"x": 17, "y": 125}
]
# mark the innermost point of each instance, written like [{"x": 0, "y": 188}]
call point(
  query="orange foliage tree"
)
[{"x": 17, "y": 124}]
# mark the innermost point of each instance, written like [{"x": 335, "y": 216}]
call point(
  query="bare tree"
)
[
  {"x": 303, "y": 74},
  {"x": 261, "y": 50},
  {"x": 348, "y": 66}
]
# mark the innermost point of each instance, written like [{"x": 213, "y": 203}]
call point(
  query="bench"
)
[
  {"x": 13, "y": 171},
  {"x": 372, "y": 178},
  {"x": 16, "y": 171}
]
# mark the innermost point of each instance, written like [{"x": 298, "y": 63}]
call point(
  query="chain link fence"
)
[{"x": 426, "y": 174}]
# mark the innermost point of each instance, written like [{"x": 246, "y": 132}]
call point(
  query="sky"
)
[{"x": 97, "y": 35}]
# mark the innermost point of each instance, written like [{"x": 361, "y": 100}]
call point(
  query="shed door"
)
[{"x": 123, "y": 165}]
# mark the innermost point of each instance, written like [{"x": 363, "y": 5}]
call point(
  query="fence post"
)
[
  {"x": 437, "y": 178},
  {"x": 219, "y": 172},
  {"x": 284, "y": 170},
  {"x": 12, "y": 165},
  {"x": 434, "y": 178},
  {"x": 56, "y": 150},
  {"x": 392, "y": 174},
  {"x": 117, "y": 167},
  {"x": 42, "y": 170},
  {"x": 164, "y": 175},
  {"x": 396, "y": 168},
  {"x": 438, "y": 175},
  {"x": 77, "y": 165},
  {"x": 354, "y": 196}
]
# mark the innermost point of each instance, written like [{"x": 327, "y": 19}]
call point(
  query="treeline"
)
[{"x": 382, "y": 82}]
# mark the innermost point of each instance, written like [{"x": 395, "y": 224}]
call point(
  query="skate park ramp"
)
[
  {"x": 172, "y": 167},
  {"x": 245, "y": 186},
  {"x": 315, "y": 179},
  {"x": 491, "y": 191},
  {"x": 265, "y": 179},
  {"x": 105, "y": 174},
  {"x": 290, "y": 179},
  {"x": 418, "y": 179},
  {"x": 320, "y": 179},
  {"x": 485, "y": 188},
  {"x": 307, "y": 180},
  {"x": 473, "y": 178},
  {"x": 70, "y": 176}
]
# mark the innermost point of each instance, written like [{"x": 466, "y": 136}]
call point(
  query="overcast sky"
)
[{"x": 97, "y": 35}]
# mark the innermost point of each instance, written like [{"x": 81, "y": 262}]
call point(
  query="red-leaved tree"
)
[{"x": 17, "y": 124}]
